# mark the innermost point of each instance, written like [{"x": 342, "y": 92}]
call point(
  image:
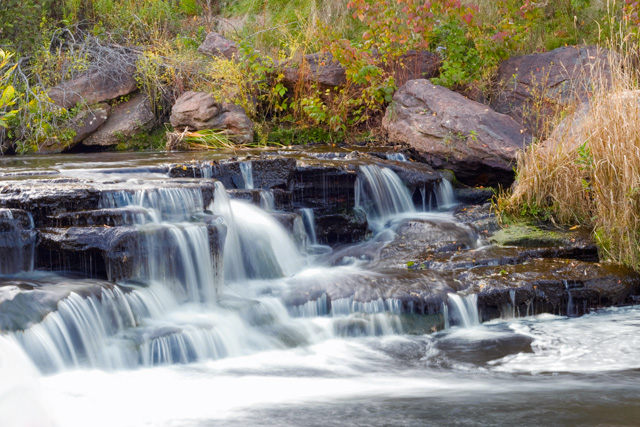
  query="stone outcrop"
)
[
  {"x": 216, "y": 45},
  {"x": 198, "y": 110},
  {"x": 98, "y": 85},
  {"x": 452, "y": 132},
  {"x": 551, "y": 80},
  {"x": 126, "y": 120}
]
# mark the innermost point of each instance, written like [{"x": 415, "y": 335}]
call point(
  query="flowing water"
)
[{"x": 195, "y": 339}]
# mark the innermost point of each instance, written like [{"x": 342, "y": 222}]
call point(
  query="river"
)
[{"x": 181, "y": 344}]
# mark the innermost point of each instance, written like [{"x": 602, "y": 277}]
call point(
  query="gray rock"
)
[
  {"x": 215, "y": 45},
  {"x": 84, "y": 124},
  {"x": 554, "y": 80},
  {"x": 95, "y": 86},
  {"x": 452, "y": 132},
  {"x": 198, "y": 111},
  {"x": 126, "y": 120}
]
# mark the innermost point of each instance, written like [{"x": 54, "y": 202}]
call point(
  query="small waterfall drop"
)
[
  {"x": 17, "y": 241},
  {"x": 445, "y": 199},
  {"x": 309, "y": 221},
  {"x": 267, "y": 201},
  {"x": 257, "y": 246},
  {"x": 247, "y": 174},
  {"x": 464, "y": 310},
  {"x": 381, "y": 194},
  {"x": 397, "y": 157}
]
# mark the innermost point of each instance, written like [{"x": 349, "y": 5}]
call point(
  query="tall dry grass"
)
[{"x": 588, "y": 170}]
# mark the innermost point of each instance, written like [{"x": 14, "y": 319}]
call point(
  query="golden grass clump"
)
[{"x": 588, "y": 170}]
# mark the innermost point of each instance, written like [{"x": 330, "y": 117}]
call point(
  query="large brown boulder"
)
[
  {"x": 95, "y": 86},
  {"x": 217, "y": 46},
  {"x": 452, "y": 132},
  {"x": 126, "y": 120},
  {"x": 198, "y": 110},
  {"x": 532, "y": 88}
]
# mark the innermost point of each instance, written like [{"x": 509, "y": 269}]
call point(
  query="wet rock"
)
[
  {"x": 557, "y": 286},
  {"x": 421, "y": 293},
  {"x": 198, "y": 111},
  {"x": 420, "y": 239},
  {"x": 480, "y": 217},
  {"x": 118, "y": 253},
  {"x": 325, "y": 186},
  {"x": 126, "y": 120},
  {"x": 47, "y": 197},
  {"x": 273, "y": 173},
  {"x": 129, "y": 215},
  {"x": 473, "y": 196},
  {"x": 95, "y": 86},
  {"x": 25, "y": 302},
  {"x": 451, "y": 132},
  {"x": 98, "y": 252},
  {"x": 342, "y": 227},
  {"x": 552, "y": 80},
  {"x": 216, "y": 45}
]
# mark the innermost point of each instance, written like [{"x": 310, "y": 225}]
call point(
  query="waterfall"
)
[
  {"x": 445, "y": 198},
  {"x": 257, "y": 246},
  {"x": 398, "y": 157},
  {"x": 247, "y": 174},
  {"x": 381, "y": 194},
  {"x": 464, "y": 311},
  {"x": 308, "y": 219},
  {"x": 267, "y": 200},
  {"x": 171, "y": 249},
  {"x": 571, "y": 308},
  {"x": 17, "y": 241}
]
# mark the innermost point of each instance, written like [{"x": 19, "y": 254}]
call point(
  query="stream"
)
[{"x": 139, "y": 290}]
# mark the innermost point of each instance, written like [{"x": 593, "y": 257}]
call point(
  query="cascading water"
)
[
  {"x": 17, "y": 242},
  {"x": 397, "y": 157},
  {"x": 464, "y": 310},
  {"x": 267, "y": 201},
  {"x": 257, "y": 246},
  {"x": 381, "y": 194},
  {"x": 445, "y": 197},
  {"x": 309, "y": 224},
  {"x": 190, "y": 269},
  {"x": 287, "y": 356},
  {"x": 246, "y": 170}
]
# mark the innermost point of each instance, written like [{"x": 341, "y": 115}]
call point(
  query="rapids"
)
[{"x": 227, "y": 312}]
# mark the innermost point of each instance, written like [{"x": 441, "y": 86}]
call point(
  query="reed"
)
[{"x": 587, "y": 171}]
